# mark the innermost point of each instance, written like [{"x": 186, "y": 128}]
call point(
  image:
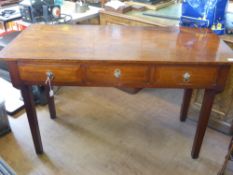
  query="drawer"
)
[
  {"x": 181, "y": 76},
  {"x": 114, "y": 75},
  {"x": 113, "y": 20},
  {"x": 63, "y": 73}
]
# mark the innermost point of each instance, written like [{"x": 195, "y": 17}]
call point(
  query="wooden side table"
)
[{"x": 101, "y": 58}]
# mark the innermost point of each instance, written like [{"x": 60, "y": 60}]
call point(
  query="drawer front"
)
[
  {"x": 62, "y": 73},
  {"x": 108, "y": 19},
  {"x": 117, "y": 75},
  {"x": 181, "y": 76}
]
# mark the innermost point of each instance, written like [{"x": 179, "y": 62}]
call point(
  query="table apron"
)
[{"x": 123, "y": 75}]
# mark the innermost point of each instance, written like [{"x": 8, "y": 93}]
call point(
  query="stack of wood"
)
[
  {"x": 138, "y": 6},
  {"x": 156, "y": 6},
  {"x": 8, "y": 2}
]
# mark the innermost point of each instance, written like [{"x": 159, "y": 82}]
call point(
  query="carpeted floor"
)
[{"x": 104, "y": 131}]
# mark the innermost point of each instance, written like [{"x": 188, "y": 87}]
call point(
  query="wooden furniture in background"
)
[
  {"x": 154, "y": 58},
  {"x": 128, "y": 20}
]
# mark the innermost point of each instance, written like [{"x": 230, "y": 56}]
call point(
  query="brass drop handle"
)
[
  {"x": 50, "y": 75},
  {"x": 48, "y": 82},
  {"x": 117, "y": 73},
  {"x": 186, "y": 77}
]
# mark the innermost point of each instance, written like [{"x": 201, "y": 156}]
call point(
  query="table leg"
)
[
  {"x": 203, "y": 121},
  {"x": 32, "y": 117},
  {"x": 51, "y": 104},
  {"x": 5, "y": 26},
  {"x": 185, "y": 104}
]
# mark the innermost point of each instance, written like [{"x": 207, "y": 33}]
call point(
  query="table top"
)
[
  {"x": 15, "y": 15},
  {"x": 118, "y": 43}
]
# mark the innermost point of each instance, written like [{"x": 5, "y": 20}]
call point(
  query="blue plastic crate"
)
[{"x": 204, "y": 14}]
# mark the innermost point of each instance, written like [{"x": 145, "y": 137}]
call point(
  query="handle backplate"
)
[{"x": 117, "y": 73}]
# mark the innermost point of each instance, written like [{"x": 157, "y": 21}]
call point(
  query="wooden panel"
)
[
  {"x": 174, "y": 76},
  {"x": 106, "y": 19},
  {"x": 92, "y": 21},
  {"x": 65, "y": 73},
  {"x": 128, "y": 75},
  {"x": 122, "y": 19}
]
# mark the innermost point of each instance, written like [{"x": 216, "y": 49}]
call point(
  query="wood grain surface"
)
[{"x": 118, "y": 43}]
